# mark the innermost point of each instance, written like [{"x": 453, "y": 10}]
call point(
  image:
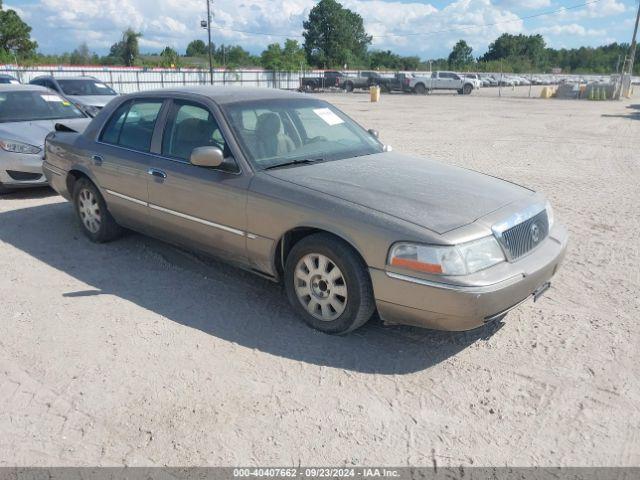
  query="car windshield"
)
[
  {"x": 282, "y": 131},
  {"x": 35, "y": 105},
  {"x": 85, "y": 87}
]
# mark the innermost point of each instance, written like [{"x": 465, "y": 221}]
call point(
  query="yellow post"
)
[{"x": 374, "y": 92}]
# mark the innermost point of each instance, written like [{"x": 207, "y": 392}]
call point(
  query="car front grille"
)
[{"x": 524, "y": 237}]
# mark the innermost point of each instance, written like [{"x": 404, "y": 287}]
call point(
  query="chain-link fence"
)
[{"x": 133, "y": 79}]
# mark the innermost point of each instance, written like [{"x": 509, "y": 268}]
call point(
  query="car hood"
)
[
  {"x": 32, "y": 133},
  {"x": 424, "y": 192},
  {"x": 91, "y": 100}
]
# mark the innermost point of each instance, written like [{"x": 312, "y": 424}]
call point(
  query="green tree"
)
[
  {"x": 334, "y": 36},
  {"x": 15, "y": 35},
  {"x": 271, "y": 58},
  {"x": 523, "y": 48},
  {"x": 169, "y": 58},
  {"x": 81, "y": 55},
  {"x": 196, "y": 48},
  {"x": 290, "y": 57},
  {"x": 126, "y": 50},
  {"x": 461, "y": 55}
]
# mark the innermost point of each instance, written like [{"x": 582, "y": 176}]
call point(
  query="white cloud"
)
[
  {"x": 63, "y": 24},
  {"x": 571, "y": 29},
  {"x": 523, "y": 4},
  {"x": 600, "y": 9}
]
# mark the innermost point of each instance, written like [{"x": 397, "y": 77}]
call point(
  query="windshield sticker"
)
[
  {"x": 328, "y": 116},
  {"x": 51, "y": 98}
]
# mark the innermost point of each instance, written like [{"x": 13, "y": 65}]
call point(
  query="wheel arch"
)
[
  {"x": 74, "y": 174},
  {"x": 294, "y": 235}
]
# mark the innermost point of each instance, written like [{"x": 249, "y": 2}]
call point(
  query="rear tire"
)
[
  {"x": 5, "y": 190},
  {"x": 348, "y": 87},
  {"x": 328, "y": 284},
  {"x": 93, "y": 216},
  {"x": 420, "y": 89}
]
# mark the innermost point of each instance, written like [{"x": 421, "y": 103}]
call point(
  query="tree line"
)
[{"x": 334, "y": 37}]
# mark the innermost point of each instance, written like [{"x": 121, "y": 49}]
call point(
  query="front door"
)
[{"x": 191, "y": 205}]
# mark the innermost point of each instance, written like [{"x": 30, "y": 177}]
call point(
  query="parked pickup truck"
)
[
  {"x": 365, "y": 80},
  {"x": 441, "y": 81},
  {"x": 328, "y": 79}
]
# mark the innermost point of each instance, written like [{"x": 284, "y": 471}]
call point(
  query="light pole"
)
[
  {"x": 208, "y": 25},
  {"x": 632, "y": 52}
]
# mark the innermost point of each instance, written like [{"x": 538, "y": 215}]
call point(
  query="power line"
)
[{"x": 434, "y": 32}]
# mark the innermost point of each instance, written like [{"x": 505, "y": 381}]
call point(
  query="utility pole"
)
[
  {"x": 209, "y": 37},
  {"x": 632, "y": 51},
  {"x": 628, "y": 67}
]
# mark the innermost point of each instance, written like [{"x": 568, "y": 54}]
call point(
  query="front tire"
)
[
  {"x": 420, "y": 89},
  {"x": 348, "y": 87},
  {"x": 95, "y": 220},
  {"x": 467, "y": 89},
  {"x": 328, "y": 284}
]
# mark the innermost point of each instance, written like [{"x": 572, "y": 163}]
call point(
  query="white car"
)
[{"x": 27, "y": 114}]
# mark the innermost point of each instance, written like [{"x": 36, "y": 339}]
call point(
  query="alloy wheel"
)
[
  {"x": 320, "y": 287},
  {"x": 89, "y": 210}
]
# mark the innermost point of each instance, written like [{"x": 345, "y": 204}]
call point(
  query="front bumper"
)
[
  {"x": 21, "y": 170},
  {"x": 413, "y": 301}
]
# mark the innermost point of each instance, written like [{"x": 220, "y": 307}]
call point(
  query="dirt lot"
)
[{"x": 136, "y": 353}]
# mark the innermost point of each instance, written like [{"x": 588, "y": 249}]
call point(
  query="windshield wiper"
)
[{"x": 294, "y": 162}]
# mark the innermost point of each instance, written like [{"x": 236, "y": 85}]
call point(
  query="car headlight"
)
[
  {"x": 462, "y": 259},
  {"x": 550, "y": 216},
  {"x": 18, "y": 147}
]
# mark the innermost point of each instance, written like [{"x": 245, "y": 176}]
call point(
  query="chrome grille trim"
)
[{"x": 522, "y": 238}]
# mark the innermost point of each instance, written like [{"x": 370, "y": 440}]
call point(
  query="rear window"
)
[{"x": 132, "y": 125}]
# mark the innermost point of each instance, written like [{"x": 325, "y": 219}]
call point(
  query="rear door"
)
[
  {"x": 197, "y": 206},
  {"x": 121, "y": 159}
]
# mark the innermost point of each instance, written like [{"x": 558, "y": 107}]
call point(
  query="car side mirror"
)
[
  {"x": 207, "y": 157},
  {"x": 373, "y": 133}
]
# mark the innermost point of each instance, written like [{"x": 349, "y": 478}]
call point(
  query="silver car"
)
[
  {"x": 87, "y": 93},
  {"x": 291, "y": 188},
  {"x": 27, "y": 114}
]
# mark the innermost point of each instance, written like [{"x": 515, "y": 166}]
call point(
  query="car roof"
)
[
  {"x": 226, "y": 95},
  {"x": 79, "y": 77},
  {"x": 16, "y": 87}
]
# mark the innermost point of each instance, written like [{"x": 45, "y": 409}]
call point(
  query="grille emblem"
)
[{"x": 535, "y": 232}]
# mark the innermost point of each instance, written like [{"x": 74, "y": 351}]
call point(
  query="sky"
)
[{"x": 427, "y": 28}]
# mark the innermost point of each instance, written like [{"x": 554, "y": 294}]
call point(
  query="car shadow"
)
[
  {"x": 32, "y": 192},
  {"x": 633, "y": 114},
  {"x": 218, "y": 299}
]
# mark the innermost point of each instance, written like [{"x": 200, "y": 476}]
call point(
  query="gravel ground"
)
[{"x": 137, "y": 353}]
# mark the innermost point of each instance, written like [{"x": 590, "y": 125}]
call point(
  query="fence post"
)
[
  {"x": 530, "y": 83},
  {"x": 162, "y": 78},
  {"x": 138, "y": 79}
]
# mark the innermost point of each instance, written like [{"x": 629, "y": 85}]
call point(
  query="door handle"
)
[
  {"x": 157, "y": 173},
  {"x": 97, "y": 160}
]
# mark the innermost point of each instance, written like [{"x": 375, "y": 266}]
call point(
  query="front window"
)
[
  {"x": 189, "y": 127},
  {"x": 274, "y": 132},
  {"x": 85, "y": 87},
  {"x": 26, "y": 106}
]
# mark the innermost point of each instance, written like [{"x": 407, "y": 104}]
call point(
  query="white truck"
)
[{"x": 441, "y": 81}]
